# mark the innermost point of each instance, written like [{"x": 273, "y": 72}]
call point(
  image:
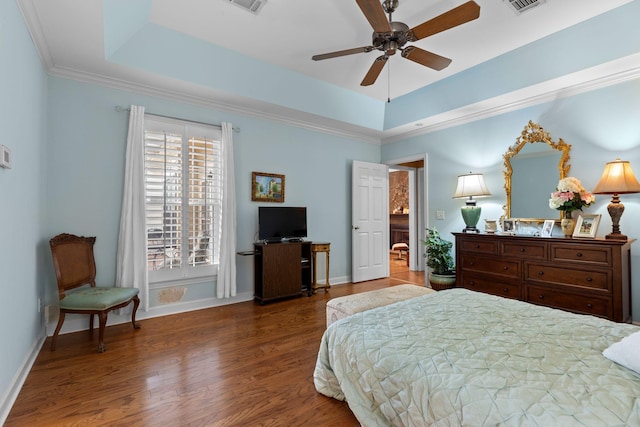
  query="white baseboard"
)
[
  {"x": 78, "y": 322},
  {"x": 7, "y": 401}
]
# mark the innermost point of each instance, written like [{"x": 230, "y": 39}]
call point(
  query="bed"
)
[{"x": 459, "y": 357}]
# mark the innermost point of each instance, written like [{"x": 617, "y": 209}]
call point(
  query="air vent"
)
[
  {"x": 253, "y": 6},
  {"x": 520, "y": 6}
]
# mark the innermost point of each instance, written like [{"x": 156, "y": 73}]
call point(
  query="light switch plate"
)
[
  {"x": 5, "y": 157},
  {"x": 439, "y": 214}
]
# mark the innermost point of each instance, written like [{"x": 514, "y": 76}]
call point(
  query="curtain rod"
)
[{"x": 120, "y": 109}]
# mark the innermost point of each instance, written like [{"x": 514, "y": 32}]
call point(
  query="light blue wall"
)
[
  {"x": 600, "y": 125},
  {"x": 68, "y": 145},
  {"x": 23, "y": 113},
  {"x": 85, "y": 178}
]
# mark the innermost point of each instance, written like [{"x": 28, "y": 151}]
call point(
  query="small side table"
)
[{"x": 315, "y": 248}]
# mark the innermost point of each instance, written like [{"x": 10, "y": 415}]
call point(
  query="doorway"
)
[{"x": 407, "y": 215}]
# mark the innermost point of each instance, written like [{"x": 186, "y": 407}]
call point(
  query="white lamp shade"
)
[
  {"x": 617, "y": 178},
  {"x": 471, "y": 184}
]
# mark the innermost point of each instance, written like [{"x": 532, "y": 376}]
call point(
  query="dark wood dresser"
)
[{"x": 590, "y": 276}]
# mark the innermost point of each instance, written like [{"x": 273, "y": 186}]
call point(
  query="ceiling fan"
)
[{"x": 389, "y": 36}]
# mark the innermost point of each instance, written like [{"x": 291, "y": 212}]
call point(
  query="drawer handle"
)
[
  {"x": 579, "y": 254},
  {"x": 505, "y": 268},
  {"x": 541, "y": 296},
  {"x": 540, "y": 273},
  {"x": 472, "y": 283},
  {"x": 505, "y": 290},
  {"x": 477, "y": 246},
  {"x": 521, "y": 249},
  {"x": 472, "y": 263},
  {"x": 589, "y": 305},
  {"x": 589, "y": 279}
]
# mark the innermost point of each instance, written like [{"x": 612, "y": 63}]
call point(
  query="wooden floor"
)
[{"x": 238, "y": 365}]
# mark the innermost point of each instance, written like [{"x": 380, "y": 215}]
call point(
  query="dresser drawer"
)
[
  {"x": 562, "y": 275},
  {"x": 488, "y": 285},
  {"x": 490, "y": 265},
  {"x": 579, "y": 303},
  {"x": 527, "y": 250},
  {"x": 581, "y": 275},
  {"x": 581, "y": 253},
  {"x": 484, "y": 246}
]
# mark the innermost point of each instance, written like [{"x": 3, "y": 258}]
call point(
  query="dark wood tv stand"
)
[{"x": 281, "y": 270}]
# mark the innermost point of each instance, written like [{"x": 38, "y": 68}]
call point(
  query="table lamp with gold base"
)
[{"x": 617, "y": 178}]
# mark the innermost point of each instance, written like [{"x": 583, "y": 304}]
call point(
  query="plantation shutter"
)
[
  {"x": 163, "y": 188},
  {"x": 183, "y": 199},
  {"x": 204, "y": 199}
]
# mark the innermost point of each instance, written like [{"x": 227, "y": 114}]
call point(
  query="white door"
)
[{"x": 370, "y": 221}]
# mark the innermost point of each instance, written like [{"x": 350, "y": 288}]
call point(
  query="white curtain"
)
[
  {"x": 131, "y": 266},
  {"x": 226, "y": 286}
]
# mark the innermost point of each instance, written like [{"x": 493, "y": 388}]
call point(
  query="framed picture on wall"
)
[
  {"x": 267, "y": 187},
  {"x": 547, "y": 228},
  {"x": 587, "y": 226}
]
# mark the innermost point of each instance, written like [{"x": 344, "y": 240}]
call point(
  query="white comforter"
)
[{"x": 459, "y": 358}]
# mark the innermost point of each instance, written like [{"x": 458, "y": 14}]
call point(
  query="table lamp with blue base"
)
[{"x": 470, "y": 185}]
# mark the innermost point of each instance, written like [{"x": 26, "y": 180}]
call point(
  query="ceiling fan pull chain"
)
[{"x": 389, "y": 83}]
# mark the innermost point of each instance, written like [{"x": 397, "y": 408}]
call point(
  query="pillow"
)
[{"x": 626, "y": 352}]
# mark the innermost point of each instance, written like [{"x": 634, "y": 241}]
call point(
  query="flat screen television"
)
[{"x": 276, "y": 223}]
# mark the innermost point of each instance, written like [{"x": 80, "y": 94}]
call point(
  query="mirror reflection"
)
[{"x": 533, "y": 166}]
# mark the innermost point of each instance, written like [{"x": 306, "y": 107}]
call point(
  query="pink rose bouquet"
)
[{"x": 570, "y": 196}]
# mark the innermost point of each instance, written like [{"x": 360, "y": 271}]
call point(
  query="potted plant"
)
[{"x": 439, "y": 260}]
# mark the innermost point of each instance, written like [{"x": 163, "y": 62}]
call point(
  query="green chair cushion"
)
[{"x": 98, "y": 298}]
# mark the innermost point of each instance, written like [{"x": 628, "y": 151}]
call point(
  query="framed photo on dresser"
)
[
  {"x": 547, "y": 228},
  {"x": 509, "y": 226},
  {"x": 587, "y": 226}
]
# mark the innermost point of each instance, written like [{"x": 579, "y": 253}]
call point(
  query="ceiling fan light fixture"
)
[{"x": 391, "y": 48}]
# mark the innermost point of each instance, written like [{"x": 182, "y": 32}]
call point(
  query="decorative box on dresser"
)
[{"x": 590, "y": 276}]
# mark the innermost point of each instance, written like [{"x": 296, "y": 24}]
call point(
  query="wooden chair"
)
[{"x": 75, "y": 267}]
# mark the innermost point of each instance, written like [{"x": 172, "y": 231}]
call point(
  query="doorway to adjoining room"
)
[{"x": 400, "y": 210}]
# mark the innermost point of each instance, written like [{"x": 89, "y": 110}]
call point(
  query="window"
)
[{"x": 182, "y": 198}]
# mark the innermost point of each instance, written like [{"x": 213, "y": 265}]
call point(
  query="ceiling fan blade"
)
[
  {"x": 374, "y": 12},
  {"x": 423, "y": 57},
  {"x": 338, "y": 53},
  {"x": 374, "y": 71},
  {"x": 456, "y": 16}
]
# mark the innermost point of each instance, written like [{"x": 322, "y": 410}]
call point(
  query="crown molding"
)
[
  {"x": 613, "y": 72},
  {"x": 608, "y": 74},
  {"x": 34, "y": 27},
  {"x": 208, "y": 98},
  {"x": 597, "y": 77}
]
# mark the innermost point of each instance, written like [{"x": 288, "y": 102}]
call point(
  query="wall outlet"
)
[{"x": 439, "y": 214}]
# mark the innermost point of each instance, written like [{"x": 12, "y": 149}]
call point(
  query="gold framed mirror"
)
[{"x": 532, "y": 168}]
